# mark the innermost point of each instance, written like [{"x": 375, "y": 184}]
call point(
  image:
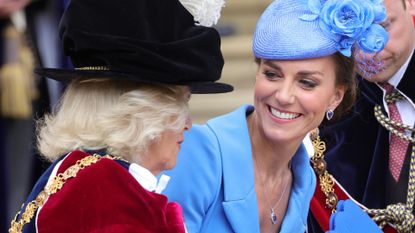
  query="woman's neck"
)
[{"x": 274, "y": 156}]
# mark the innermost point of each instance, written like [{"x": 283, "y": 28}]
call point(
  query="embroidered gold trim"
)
[
  {"x": 99, "y": 68},
  {"x": 53, "y": 187}
]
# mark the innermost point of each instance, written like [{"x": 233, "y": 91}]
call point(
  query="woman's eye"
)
[
  {"x": 308, "y": 83},
  {"x": 270, "y": 75}
]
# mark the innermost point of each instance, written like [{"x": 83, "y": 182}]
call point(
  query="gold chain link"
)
[
  {"x": 320, "y": 167},
  {"x": 53, "y": 187}
]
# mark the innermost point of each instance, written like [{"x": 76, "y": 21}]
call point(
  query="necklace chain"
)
[{"x": 273, "y": 216}]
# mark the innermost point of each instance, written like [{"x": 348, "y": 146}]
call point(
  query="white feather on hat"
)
[{"x": 205, "y": 12}]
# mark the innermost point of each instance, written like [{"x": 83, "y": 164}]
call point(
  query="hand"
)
[
  {"x": 8, "y": 7},
  {"x": 350, "y": 218}
]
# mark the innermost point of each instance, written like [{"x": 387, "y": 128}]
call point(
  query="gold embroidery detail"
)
[
  {"x": 51, "y": 188},
  {"x": 99, "y": 68}
]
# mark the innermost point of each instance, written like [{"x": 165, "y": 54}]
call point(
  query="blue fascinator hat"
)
[{"x": 301, "y": 29}]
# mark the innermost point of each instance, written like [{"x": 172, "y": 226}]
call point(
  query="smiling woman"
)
[
  {"x": 291, "y": 97},
  {"x": 343, "y": 70},
  {"x": 248, "y": 171},
  {"x": 122, "y": 118}
]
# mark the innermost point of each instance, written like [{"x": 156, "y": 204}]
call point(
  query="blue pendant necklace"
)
[{"x": 273, "y": 215}]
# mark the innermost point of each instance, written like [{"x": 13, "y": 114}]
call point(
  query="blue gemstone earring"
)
[{"x": 329, "y": 114}]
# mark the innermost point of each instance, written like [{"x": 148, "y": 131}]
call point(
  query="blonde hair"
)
[{"x": 121, "y": 116}]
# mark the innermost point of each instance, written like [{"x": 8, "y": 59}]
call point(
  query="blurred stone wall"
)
[{"x": 236, "y": 26}]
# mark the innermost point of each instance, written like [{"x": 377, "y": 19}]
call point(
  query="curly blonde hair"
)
[{"x": 121, "y": 116}]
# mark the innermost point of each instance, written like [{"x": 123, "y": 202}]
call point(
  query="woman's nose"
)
[{"x": 284, "y": 94}]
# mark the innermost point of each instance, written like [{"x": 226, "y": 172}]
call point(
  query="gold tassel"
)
[{"x": 17, "y": 81}]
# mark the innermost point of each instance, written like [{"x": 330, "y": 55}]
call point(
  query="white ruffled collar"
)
[{"x": 147, "y": 179}]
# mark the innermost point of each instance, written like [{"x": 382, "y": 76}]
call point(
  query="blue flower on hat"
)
[
  {"x": 349, "y": 21},
  {"x": 373, "y": 39}
]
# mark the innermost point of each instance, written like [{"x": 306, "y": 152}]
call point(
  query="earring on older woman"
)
[{"x": 329, "y": 114}]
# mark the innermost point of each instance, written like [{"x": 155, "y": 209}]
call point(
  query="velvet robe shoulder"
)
[
  {"x": 103, "y": 197},
  {"x": 358, "y": 146}
]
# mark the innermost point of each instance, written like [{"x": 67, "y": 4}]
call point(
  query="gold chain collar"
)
[
  {"x": 320, "y": 167},
  {"x": 50, "y": 189},
  {"x": 400, "y": 215}
]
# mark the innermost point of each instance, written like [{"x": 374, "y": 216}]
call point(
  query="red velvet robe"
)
[{"x": 104, "y": 197}]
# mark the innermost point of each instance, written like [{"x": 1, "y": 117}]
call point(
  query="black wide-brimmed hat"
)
[{"x": 150, "y": 41}]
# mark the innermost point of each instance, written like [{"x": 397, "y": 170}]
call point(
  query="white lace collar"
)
[{"x": 147, "y": 179}]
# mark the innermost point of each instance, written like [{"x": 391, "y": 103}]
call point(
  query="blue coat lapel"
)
[
  {"x": 302, "y": 190},
  {"x": 240, "y": 202}
]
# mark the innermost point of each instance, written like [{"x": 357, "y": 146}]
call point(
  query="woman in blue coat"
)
[{"x": 248, "y": 171}]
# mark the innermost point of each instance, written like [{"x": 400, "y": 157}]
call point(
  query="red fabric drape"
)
[
  {"x": 104, "y": 197},
  {"x": 322, "y": 214}
]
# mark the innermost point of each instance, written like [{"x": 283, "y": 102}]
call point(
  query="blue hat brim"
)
[{"x": 281, "y": 34}]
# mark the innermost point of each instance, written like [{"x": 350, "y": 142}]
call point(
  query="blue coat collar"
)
[{"x": 240, "y": 202}]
